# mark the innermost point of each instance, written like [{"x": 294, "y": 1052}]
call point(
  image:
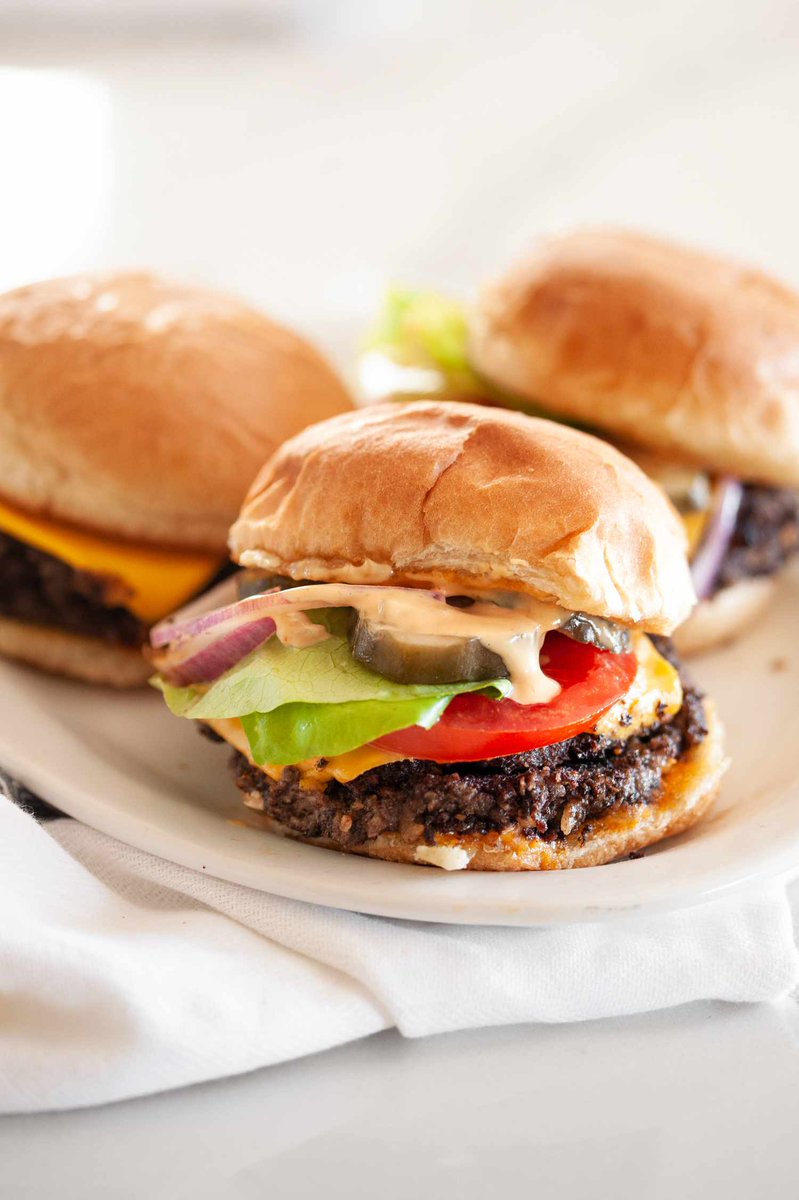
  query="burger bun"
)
[
  {"x": 140, "y": 408},
  {"x": 63, "y": 653},
  {"x": 725, "y": 616},
  {"x": 463, "y": 496},
  {"x": 689, "y": 354}
]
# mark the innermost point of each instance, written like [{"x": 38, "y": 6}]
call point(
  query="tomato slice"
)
[{"x": 475, "y": 727}]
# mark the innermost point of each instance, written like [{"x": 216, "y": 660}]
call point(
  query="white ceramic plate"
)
[{"x": 121, "y": 763}]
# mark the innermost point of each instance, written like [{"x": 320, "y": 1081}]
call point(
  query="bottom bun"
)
[
  {"x": 689, "y": 788},
  {"x": 73, "y": 654},
  {"x": 725, "y": 616}
]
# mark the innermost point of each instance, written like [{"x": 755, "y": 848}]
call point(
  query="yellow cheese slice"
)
[
  {"x": 343, "y": 767},
  {"x": 150, "y": 582},
  {"x": 655, "y": 694},
  {"x": 694, "y": 523}
]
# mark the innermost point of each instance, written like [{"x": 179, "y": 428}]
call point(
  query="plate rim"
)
[
  {"x": 134, "y": 830},
  {"x": 121, "y": 763}
]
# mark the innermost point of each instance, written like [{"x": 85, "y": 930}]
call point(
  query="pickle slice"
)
[
  {"x": 596, "y": 631},
  {"x": 422, "y": 659}
]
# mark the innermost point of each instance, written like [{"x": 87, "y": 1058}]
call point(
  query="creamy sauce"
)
[
  {"x": 295, "y": 629},
  {"x": 515, "y": 633}
]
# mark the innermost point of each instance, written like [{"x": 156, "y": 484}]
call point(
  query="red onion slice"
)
[
  {"x": 727, "y": 496},
  {"x": 212, "y": 660},
  {"x": 222, "y": 595},
  {"x": 190, "y": 623}
]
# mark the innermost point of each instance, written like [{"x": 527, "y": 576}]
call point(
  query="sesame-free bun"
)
[
  {"x": 686, "y": 353},
  {"x": 63, "y": 653},
  {"x": 689, "y": 788},
  {"x": 724, "y": 616},
  {"x": 474, "y": 497},
  {"x": 142, "y": 408}
]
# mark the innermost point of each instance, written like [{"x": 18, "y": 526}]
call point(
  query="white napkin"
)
[{"x": 122, "y": 974}]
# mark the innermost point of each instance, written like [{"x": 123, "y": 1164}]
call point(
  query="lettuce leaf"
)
[
  {"x": 425, "y": 331},
  {"x": 315, "y": 701},
  {"x": 294, "y": 732}
]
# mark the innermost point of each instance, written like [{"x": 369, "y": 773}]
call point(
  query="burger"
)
[
  {"x": 448, "y": 645},
  {"x": 131, "y": 410},
  {"x": 687, "y": 361}
]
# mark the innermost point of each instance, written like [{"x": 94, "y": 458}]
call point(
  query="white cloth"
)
[{"x": 122, "y": 974}]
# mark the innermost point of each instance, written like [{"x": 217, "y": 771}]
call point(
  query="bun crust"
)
[
  {"x": 690, "y": 788},
  {"x": 89, "y": 659},
  {"x": 142, "y": 409},
  {"x": 436, "y": 493},
  {"x": 725, "y": 616},
  {"x": 686, "y": 353}
]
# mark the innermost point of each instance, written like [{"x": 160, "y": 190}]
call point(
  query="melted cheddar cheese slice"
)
[
  {"x": 655, "y": 694},
  {"x": 695, "y": 523},
  {"x": 151, "y": 582},
  {"x": 343, "y": 767}
]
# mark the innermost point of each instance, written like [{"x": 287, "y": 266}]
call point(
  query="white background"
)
[
  {"x": 330, "y": 146},
  {"x": 304, "y": 154}
]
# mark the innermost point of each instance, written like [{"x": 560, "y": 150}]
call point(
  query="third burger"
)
[
  {"x": 689, "y": 362},
  {"x": 685, "y": 360}
]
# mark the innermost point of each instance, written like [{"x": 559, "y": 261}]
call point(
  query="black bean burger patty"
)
[
  {"x": 38, "y": 587},
  {"x": 766, "y": 535},
  {"x": 544, "y": 793}
]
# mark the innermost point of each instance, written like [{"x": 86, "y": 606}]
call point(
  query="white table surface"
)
[
  {"x": 699, "y": 1103},
  {"x": 303, "y": 160}
]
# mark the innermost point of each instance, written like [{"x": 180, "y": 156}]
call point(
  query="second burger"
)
[{"x": 133, "y": 412}]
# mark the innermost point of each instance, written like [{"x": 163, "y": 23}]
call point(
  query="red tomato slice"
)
[{"x": 476, "y": 727}]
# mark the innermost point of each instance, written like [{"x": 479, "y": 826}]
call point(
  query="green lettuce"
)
[
  {"x": 421, "y": 330},
  {"x": 294, "y": 732},
  {"x": 315, "y": 701},
  {"x": 426, "y": 330}
]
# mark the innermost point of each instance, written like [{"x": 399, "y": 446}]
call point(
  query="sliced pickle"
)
[
  {"x": 422, "y": 659},
  {"x": 596, "y": 631}
]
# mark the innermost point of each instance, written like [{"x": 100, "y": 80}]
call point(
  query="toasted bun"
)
[
  {"x": 142, "y": 408},
  {"x": 442, "y": 493},
  {"x": 689, "y": 789},
  {"x": 62, "y": 653},
  {"x": 685, "y": 353},
  {"x": 725, "y": 616}
]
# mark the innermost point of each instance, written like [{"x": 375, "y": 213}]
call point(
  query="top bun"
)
[
  {"x": 685, "y": 353},
  {"x": 482, "y": 498},
  {"x": 140, "y": 408}
]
